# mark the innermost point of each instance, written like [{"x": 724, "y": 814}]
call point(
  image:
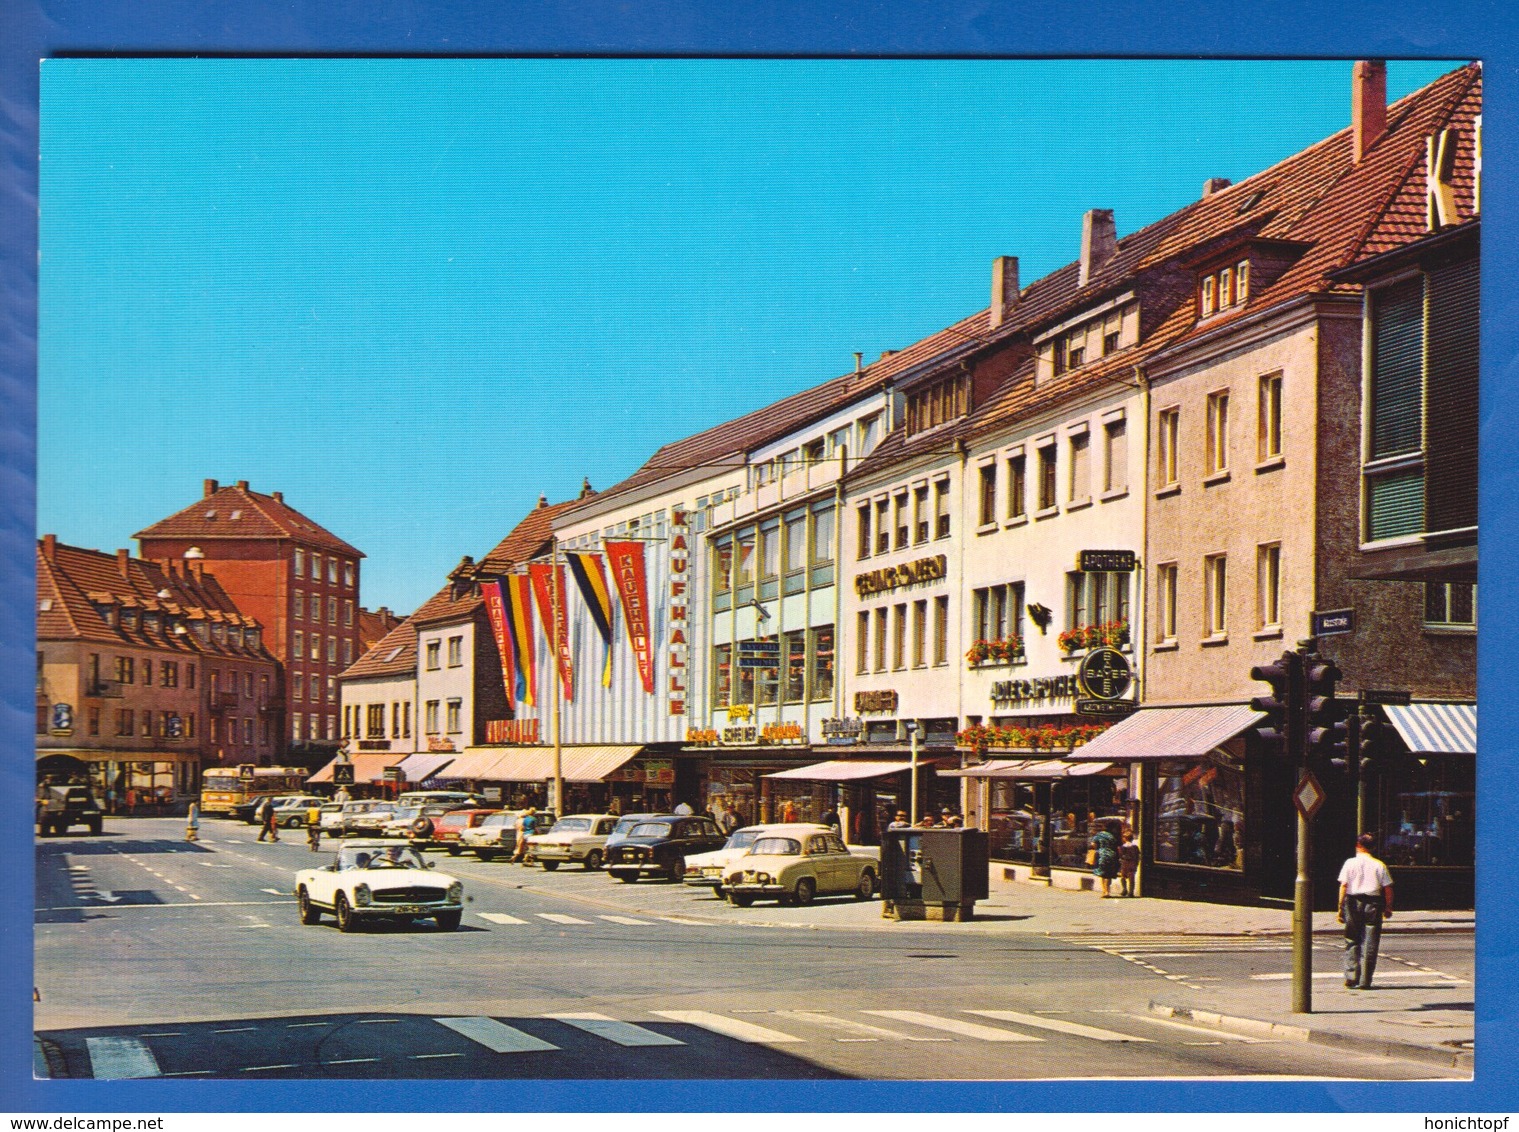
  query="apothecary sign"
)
[
  {"x": 1035, "y": 690},
  {"x": 1105, "y": 561}
]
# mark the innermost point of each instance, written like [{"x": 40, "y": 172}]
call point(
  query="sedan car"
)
[
  {"x": 370, "y": 881},
  {"x": 706, "y": 870},
  {"x": 660, "y": 844},
  {"x": 446, "y": 829},
  {"x": 496, "y": 836},
  {"x": 791, "y": 864},
  {"x": 369, "y": 821},
  {"x": 579, "y": 837}
]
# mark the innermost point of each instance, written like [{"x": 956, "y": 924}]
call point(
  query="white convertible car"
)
[{"x": 371, "y": 880}]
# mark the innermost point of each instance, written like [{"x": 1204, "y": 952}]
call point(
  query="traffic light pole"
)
[{"x": 1302, "y": 888}]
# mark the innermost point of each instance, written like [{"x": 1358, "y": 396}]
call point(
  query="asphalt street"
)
[{"x": 158, "y": 957}]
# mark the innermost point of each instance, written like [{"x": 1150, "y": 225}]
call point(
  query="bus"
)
[{"x": 225, "y": 788}]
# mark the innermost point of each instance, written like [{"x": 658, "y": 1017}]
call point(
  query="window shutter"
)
[
  {"x": 1397, "y": 369},
  {"x": 1396, "y": 505},
  {"x": 1451, "y": 462}
]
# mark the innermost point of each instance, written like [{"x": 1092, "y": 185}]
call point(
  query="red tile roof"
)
[
  {"x": 237, "y": 513},
  {"x": 395, "y": 654},
  {"x": 529, "y": 538},
  {"x": 375, "y": 624}
]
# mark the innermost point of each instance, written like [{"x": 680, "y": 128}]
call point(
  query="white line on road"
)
[
  {"x": 187, "y": 1073},
  {"x": 629, "y": 920},
  {"x": 1058, "y": 1025},
  {"x": 623, "y": 1033},
  {"x": 954, "y": 1026},
  {"x": 682, "y": 920},
  {"x": 119, "y": 1059},
  {"x": 354, "y": 1061},
  {"x": 495, "y": 1036},
  {"x": 261, "y": 1068},
  {"x": 425, "y": 1056},
  {"x": 376, "y": 1021},
  {"x": 1387, "y": 975},
  {"x": 236, "y": 1030},
  {"x": 164, "y": 1034},
  {"x": 500, "y": 918},
  {"x": 112, "y": 898},
  {"x": 728, "y": 1027},
  {"x": 304, "y": 1025},
  {"x": 1218, "y": 1034},
  {"x": 272, "y": 891},
  {"x": 863, "y": 1030},
  {"x": 561, "y": 918}
]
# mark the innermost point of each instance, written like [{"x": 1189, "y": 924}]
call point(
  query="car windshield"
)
[
  {"x": 401, "y": 813},
  {"x": 499, "y": 819},
  {"x": 650, "y": 829},
  {"x": 742, "y": 839},
  {"x": 392, "y": 857},
  {"x": 776, "y": 847},
  {"x": 625, "y": 825},
  {"x": 573, "y": 825}
]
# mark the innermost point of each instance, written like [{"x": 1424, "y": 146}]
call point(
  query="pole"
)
[
  {"x": 558, "y": 687},
  {"x": 1302, "y": 888},
  {"x": 912, "y": 735}
]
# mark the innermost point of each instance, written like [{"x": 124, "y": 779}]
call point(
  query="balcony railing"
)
[{"x": 104, "y": 689}]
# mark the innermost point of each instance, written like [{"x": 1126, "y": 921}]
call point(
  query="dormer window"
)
[
  {"x": 1223, "y": 288},
  {"x": 107, "y": 613},
  {"x": 129, "y": 619},
  {"x": 934, "y": 404},
  {"x": 150, "y": 622},
  {"x": 1087, "y": 337}
]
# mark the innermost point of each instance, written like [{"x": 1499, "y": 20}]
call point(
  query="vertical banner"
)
[
  {"x": 680, "y": 557},
  {"x": 495, "y": 609},
  {"x": 519, "y": 619},
  {"x": 591, "y": 578},
  {"x": 626, "y": 559},
  {"x": 551, "y": 612}
]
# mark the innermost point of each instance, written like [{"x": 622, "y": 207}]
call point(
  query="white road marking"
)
[
  {"x": 376, "y": 1021},
  {"x": 168, "y": 904},
  {"x": 955, "y": 1026},
  {"x": 164, "y": 1034},
  {"x": 236, "y": 1030},
  {"x": 1387, "y": 975},
  {"x": 865, "y": 1031},
  {"x": 272, "y": 891},
  {"x": 187, "y": 1073},
  {"x": 120, "y": 1059},
  {"x": 681, "y": 920},
  {"x": 216, "y": 865},
  {"x": 495, "y": 1036},
  {"x": 425, "y": 1056},
  {"x": 304, "y": 1025},
  {"x": 626, "y": 920},
  {"x": 561, "y": 918},
  {"x": 1058, "y": 1025},
  {"x": 1216, "y": 1034},
  {"x": 728, "y": 1027},
  {"x": 500, "y": 918},
  {"x": 261, "y": 1068},
  {"x": 354, "y": 1061},
  {"x": 623, "y": 1033}
]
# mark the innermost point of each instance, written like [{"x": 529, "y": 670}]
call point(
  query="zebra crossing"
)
[
  {"x": 121, "y": 1057},
  {"x": 505, "y": 919}
]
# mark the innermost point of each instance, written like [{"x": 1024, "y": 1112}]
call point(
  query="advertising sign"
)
[
  {"x": 659, "y": 772},
  {"x": 1105, "y": 674},
  {"x": 1105, "y": 561},
  {"x": 630, "y": 578},
  {"x": 548, "y": 588},
  {"x": 676, "y": 608}
]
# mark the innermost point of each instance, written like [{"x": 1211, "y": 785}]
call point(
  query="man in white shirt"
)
[{"x": 1365, "y": 901}]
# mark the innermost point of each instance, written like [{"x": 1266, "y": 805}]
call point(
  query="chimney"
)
[
  {"x": 277, "y": 496},
  {"x": 242, "y": 485},
  {"x": 1004, "y": 289},
  {"x": 122, "y": 560},
  {"x": 197, "y": 567},
  {"x": 210, "y": 487},
  {"x": 1215, "y": 185},
  {"x": 1099, "y": 242},
  {"x": 859, "y": 361},
  {"x": 50, "y": 547},
  {"x": 586, "y": 489},
  {"x": 1368, "y": 106},
  {"x": 543, "y": 501}
]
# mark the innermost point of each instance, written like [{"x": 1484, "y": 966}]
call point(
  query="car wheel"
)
[
  {"x": 867, "y": 886},
  {"x": 806, "y": 889},
  {"x": 677, "y": 870},
  {"x": 740, "y": 899},
  {"x": 310, "y": 913},
  {"x": 95, "y": 828},
  {"x": 448, "y": 921},
  {"x": 347, "y": 921},
  {"x": 625, "y": 876},
  {"x": 454, "y": 850},
  {"x": 485, "y": 854},
  {"x": 593, "y": 859},
  {"x": 549, "y": 866}
]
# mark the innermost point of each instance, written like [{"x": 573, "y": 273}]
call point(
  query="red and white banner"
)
[
  {"x": 631, "y": 580},
  {"x": 551, "y": 611},
  {"x": 495, "y": 610}
]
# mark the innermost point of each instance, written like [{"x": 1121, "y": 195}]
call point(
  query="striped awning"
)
[
  {"x": 1027, "y": 769},
  {"x": 843, "y": 771},
  {"x": 367, "y": 767},
  {"x": 1436, "y": 729},
  {"x": 536, "y": 764},
  {"x": 1168, "y": 733},
  {"x": 473, "y": 763},
  {"x": 420, "y": 767}
]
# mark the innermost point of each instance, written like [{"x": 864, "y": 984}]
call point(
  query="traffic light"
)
[
  {"x": 1283, "y": 707},
  {"x": 1328, "y": 733},
  {"x": 1373, "y": 732}
]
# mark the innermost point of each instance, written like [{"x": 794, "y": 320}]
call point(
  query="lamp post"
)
[{"x": 912, "y": 738}]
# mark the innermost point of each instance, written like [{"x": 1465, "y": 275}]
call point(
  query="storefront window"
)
[
  {"x": 745, "y": 690},
  {"x": 769, "y": 684},
  {"x": 1080, "y": 807},
  {"x": 1015, "y": 823},
  {"x": 1200, "y": 813},
  {"x": 1428, "y": 808}
]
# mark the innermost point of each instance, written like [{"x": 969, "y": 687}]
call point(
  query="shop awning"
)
[
  {"x": 1168, "y": 733},
  {"x": 1026, "y": 769},
  {"x": 473, "y": 762},
  {"x": 843, "y": 771},
  {"x": 592, "y": 764},
  {"x": 1436, "y": 729},
  {"x": 367, "y": 767},
  {"x": 96, "y": 755},
  {"x": 536, "y": 764},
  {"x": 420, "y": 767}
]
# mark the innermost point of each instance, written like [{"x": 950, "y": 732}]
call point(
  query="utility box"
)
[{"x": 933, "y": 874}]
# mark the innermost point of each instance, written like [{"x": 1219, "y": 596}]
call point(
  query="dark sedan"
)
[{"x": 660, "y": 844}]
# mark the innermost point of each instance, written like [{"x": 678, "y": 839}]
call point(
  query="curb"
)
[{"x": 1256, "y": 1027}]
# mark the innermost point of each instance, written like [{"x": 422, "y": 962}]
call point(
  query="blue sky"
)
[{"x": 412, "y": 295}]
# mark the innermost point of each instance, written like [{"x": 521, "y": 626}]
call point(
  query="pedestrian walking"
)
[
  {"x": 192, "y": 822},
  {"x": 1128, "y": 861},
  {"x": 267, "y": 826},
  {"x": 1365, "y": 901},
  {"x": 1105, "y": 859},
  {"x": 527, "y": 825},
  {"x": 727, "y": 820}
]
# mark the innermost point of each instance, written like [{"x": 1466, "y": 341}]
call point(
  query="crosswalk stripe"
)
[
  {"x": 495, "y": 1036},
  {"x": 1387, "y": 975},
  {"x": 561, "y": 918},
  {"x": 728, "y": 1027},
  {"x": 955, "y": 1026},
  {"x": 625, "y": 920},
  {"x": 848, "y": 1025},
  {"x": 1059, "y": 1025},
  {"x": 117, "y": 1059},
  {"x": 682, "y": 920},
  {"x": 1224, "y": 1034},
  {"x": 274, "y": 892},
  {"x": 500, "y": 918},
  {"x": 623, "y": 1033}
]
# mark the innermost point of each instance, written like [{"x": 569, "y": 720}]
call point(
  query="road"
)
[{"x": 158, "y": 957}]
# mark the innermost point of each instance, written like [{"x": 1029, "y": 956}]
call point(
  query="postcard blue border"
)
[{"x": 1448, "y": 29}]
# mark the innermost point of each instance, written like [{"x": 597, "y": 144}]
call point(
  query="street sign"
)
[
  {"x": 1106, "y": 707},
  {"x": 1105, "y": 561},
  {"x": 1328, "y": 622},
  {"x": 1308, "y": 796},
  {"x": 1105, "y": 674},
  {"x": 1386, "y": 696},
  {"x": 342, "y": 774},
  {"x": 394, "y": 774}
]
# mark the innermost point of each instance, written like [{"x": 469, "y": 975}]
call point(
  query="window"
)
[
  {"x": 1081, "y": 472},
  {"x": 297, "y": 686},
  {"x": 297, "y": 730},
  {"x": 1216, "y": 458},
  {"x": 862, "y": 643},
  {"x": 941, "y": 508},
  {"x": 920, "y": 514},
  {"x": 1241, "y": 281},
  {"x": 316, "y": 646},
  {"x": 794, "y": 664},
  {"x": 332, "y": 611},
  {"x": 862, "y": 518},
  {"x": 348, "y": 611},
  {"x": 1395, "y": 475},
  {"x": 1047, "y": 497},
  {"x": 883, "y": 525},
  {"x": 299, "y": 639},
  {"x": 406, "y": 720},
  {"x": 899, "y": 638},
  {"x": 298, "y": 606},
  {"x": 722, "y": 675},
  {"x": 1115, "y": 457},
  {"x": 1226, "y": 288},
  {"x": 1167, "y": 429},
  {"x": 126, "y": 669},
  {"x": 722, "y": 573},
  {"x": 374, "y": 721},
  {"x": 880, "y": 643},
  {"x": 332, "y": 689},
  {"x": 124, "y": 722},
  {"x": 430, "y": 716},
  {"x": 1093, "y": 598},
  {"x": 455, "y": 718},
  {"x": 822, "y": 662},
  {"x": 1165, "y": 600},
  {"x": 348, "y": 574},
  {"x": 1215, "y": 595},
  {"x": 332, "y": 571},
  {"x": 920, "y": 634},
  {"x": 434, "y": 654},
  {"x": 901, "y": 517},
  {"x": 1205, "y": 301},
  {"x": 744, "y": 566},
  {"x": 347, "y": 653},
  {"x": 769, "y": 557},
  {"x": 796, "y": 547},
  {"x": 300, "y": 562},
  {"x": 316, "y": 688},
  {"x": 1077, "y": 611},
  {"x": 455, "y": 651},
  {"x": 822, "y": 544},
  {"x": 988, "y": 510},
  {"x": 169, "y": 673},
  {"x": 941, "y": 630},
  {"x": 332, "y": 650},
  {"x": 316, "y": 575},
  {"x": 814, "y": 450},
  {"x": 1268, "y": 586},
  {"x": 1450, "y": 604},
  {"x": 869, "y": 430},
  {"x": 1017, "y": 487},
  {"x": 744, "y": 684},
  {"x": 1268, "y": 438}
]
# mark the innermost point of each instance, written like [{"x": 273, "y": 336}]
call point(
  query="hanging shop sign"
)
[
  {"x": 1105, "y": 674},
  {"x": 342, "y": 774},
  {"x": 881, "y": 731},
  {"x": 875, "y": 701},
  {"x": 843, "y": 731},
  {"x": 495, "y": 610},
  {"x": 676, "y": 610},
  {"x": 512, "y": 732},
  {"x": 628, "y": 772},
  {"x": 1106, "y": 708},
  {"x": 63, "y": 719},
  {"x": 906, "y": 574},
  {"x": 764, "y": 652},
  {"x": 739, "y": 736},
  {"x": 394, "y": 774},
  {"x": 659, "y": 772},
  {"x": 702, "y": 736},
  {"x": 1036, "y": 690},
  {"x": 1105, "y": 561}
]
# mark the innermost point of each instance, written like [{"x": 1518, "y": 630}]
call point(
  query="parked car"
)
[
  {"x": 660, "y": 844},
  {"x": 446, "y": 829},
  {"x": 579, "y": 837},
  {"x": 415, "y": 823},
  {"x": 331, "y": 821},
  {"x": 621, "y": 829},
  {"x": 59, "y": 807},
  {"x": 433, "y": 797},
  {"x": 706, "y": 870},
  {"x": 367, "y": 822},
  {"x": 792, "y": 864},
  {"x": 496, "y": 836},
  {"x": 370, "y": 880}
]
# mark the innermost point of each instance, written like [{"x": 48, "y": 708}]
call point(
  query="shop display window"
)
[
  {"x": 1200, "y": 813},
  {"x": 1428, "y": 807}
]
